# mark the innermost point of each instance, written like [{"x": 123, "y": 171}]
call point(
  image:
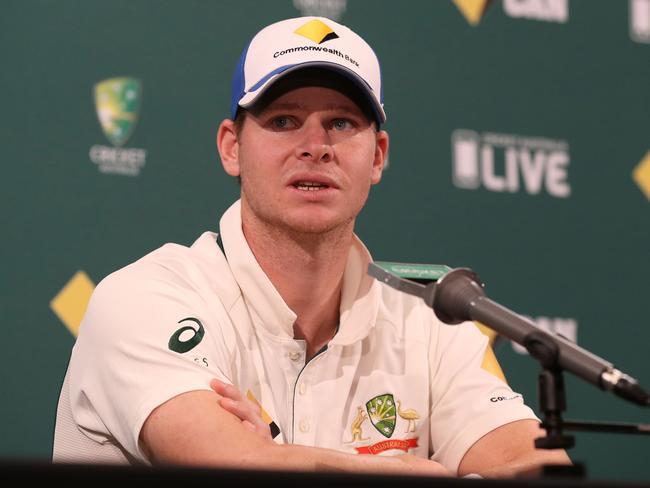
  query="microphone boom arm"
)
[{"x": 458, "y": 296}]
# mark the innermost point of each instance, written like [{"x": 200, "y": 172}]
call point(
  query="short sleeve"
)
[
  {"x": 467, "y": 400},
  {"x": 146, "y": 337}
]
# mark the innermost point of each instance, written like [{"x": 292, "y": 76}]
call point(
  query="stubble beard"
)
[{"x": 279, "y": 226}]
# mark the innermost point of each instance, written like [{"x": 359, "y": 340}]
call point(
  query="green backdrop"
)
[{"x": 520, "y": 136}]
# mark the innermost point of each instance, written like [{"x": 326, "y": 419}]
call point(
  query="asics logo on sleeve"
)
[{"x": 187, "y": 337}]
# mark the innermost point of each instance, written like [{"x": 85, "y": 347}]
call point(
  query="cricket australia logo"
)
[
  {"x": 383, "y": 412},
  {"x": 117, "y": 102}
]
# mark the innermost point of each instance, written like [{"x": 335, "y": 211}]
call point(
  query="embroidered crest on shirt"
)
[
  {"x": 409, "y": 415},
  {"x": 383, "y": 412},
  {"x": 355, "y": 428}
]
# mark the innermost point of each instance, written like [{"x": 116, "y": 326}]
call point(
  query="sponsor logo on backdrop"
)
[
  {"x": 332, "y": 9},
  {"x": 509, "y": 163},
  {"x": 473, "y": 10},
  {"x": 641, "y": 175},
  {"x": 566, "y": 327},
  {"x": 544, "y": 10},
  {"x": 70, "y": 303},
  {"x": 117, "y": 101},
  {"x": 640, "y": 20}
]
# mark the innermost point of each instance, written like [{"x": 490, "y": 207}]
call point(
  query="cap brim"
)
[{"x": 259, "y": 88}]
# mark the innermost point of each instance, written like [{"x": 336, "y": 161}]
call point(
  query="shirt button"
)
[
  {"x": 304, "y": 426},
  {"x": 294, "y": 356},
  {"x": 302, "y": 388}
]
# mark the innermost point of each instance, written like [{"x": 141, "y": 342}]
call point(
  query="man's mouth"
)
[{"x": 309, "y": 186}]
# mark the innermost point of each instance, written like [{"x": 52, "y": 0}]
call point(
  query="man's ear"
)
[
  {"x": 381, "y": 153},
  {"x": 228, "y": 146}
]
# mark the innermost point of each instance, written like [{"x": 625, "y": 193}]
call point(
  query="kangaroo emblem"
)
[{"x": 355, "y": 427}]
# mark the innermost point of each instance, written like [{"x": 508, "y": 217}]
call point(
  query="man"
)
[{"x": 278, "y": 310}]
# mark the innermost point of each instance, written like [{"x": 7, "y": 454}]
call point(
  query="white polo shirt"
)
[{"x": 392, "y": 380}]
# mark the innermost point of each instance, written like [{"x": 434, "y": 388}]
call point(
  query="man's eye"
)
[
  {"x": 281, "y": 122},
  {"x": 341, "y": 124}
]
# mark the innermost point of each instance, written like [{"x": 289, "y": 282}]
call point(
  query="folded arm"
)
[
  {"x": 194, "y": 429},
  {"x": 509, "y": 450}
]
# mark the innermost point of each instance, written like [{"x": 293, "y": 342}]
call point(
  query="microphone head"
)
[
  {"x": 451, "y": 297},
  {"x": 628, "y": 388}
]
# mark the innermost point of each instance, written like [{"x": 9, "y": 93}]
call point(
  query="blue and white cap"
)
[{"x": 292, "y": 44}]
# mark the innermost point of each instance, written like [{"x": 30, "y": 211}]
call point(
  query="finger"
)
[
  {"x": 246, "y": 411},
  {"x": 261, "y": 430},
  {"x": 232, "y": 407},
  {"x": 239, "y": 409},
  {"x": 217, "y": 386},
  {"x": 249, "y": 426},
  {"x": 242, "y": 407},
  {"x": 229, "y": 391},
  {"x": 225, "y": 390},
  {"x": 235, "y": 403},
  {"x": 251, "y": 420}
]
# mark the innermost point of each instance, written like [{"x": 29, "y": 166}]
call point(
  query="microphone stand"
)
[
  {"x": 551, "y": 393},
  {"x": 552, "y": 399},
  {"x": 452, "y": 308}
]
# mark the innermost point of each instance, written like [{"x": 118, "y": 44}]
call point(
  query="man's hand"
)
[
  {"x": 222, "y": 428},
  {"x": 232, "y": 400},
  {"x": 247, "y": 411},
  {"x": 509, "y": 451}
]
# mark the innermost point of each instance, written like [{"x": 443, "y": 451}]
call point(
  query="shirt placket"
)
[
  {"x": 304, "y": 403},
  {"x": 292, "y": 360}
]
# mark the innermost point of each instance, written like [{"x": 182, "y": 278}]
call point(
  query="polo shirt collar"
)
[
  {"x": 359, "y": 297},
  {"x": 272, "y": 313}
]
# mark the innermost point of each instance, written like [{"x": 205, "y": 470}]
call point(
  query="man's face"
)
[{"x": 307, "y": 160}]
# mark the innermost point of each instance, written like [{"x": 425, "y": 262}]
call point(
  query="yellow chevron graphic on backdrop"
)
[
  {"x": 70, "y": 303},
  {"x": 473, "y": 10},
  {"x": 641, "y": 175},
  {"x": 490, "y": 362}
]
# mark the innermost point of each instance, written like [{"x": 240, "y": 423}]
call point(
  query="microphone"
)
[{"x": 458, "y": 296}]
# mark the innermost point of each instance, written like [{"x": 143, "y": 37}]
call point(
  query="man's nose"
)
[{"x": 315, "y": 144}]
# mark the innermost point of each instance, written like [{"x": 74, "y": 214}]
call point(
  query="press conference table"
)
[{"x": 124, "y": 476}]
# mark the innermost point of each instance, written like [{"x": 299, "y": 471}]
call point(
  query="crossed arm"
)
[
  {"x": 213, "y": 436},
  {"x": 226, "y": 430}
]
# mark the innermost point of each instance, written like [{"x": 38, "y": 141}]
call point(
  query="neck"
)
[{"x": 307, "y": 270}]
